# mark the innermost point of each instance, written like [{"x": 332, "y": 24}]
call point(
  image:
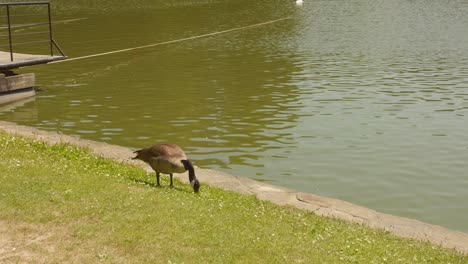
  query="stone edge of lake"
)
[{"x": 323, "y": 206}]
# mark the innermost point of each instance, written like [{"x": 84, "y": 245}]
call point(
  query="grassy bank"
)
[{"x": 61, "y": 204}]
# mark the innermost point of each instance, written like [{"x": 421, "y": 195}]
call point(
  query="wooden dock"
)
[
  {"x": 12, "y": 53},
  {"x": 14, "y": 87},
  {"x": 21, "y": 60}
]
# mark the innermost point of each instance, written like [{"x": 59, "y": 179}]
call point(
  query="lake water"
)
[{"x": 365, "y": 101}]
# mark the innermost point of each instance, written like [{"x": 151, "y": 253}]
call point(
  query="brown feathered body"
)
[
  {"x": 168, "y": 159},
  {"x": 163, "y": 158}
]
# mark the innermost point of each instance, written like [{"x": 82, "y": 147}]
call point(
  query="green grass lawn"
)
[{"x": 61, "y": 204}]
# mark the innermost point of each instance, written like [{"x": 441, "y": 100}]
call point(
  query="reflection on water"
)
[
  {"x": 363, "y": 101},
  {"x": 18, "y": 111}
]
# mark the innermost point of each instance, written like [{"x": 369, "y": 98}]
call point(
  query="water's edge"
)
[{"x": 323, "y": 206}]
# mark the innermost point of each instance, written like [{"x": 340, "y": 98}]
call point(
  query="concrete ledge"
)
[
  {"x": 10, "y": 97},
  {"x": 16, "y": 87},
  {"x": 323, "y": 206},
  {"x": 22, "y": 60},
  {"x": 17, "y": 82}
]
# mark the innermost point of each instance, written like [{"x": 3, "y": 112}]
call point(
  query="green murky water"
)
[{"x": 365, "y": 101}]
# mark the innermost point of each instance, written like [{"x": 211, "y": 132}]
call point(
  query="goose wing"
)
[{"x": 161, "y": 151}]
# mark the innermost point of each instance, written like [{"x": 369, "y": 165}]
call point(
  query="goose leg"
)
[
  {"x": 172, "y": 183},
  {"x": 157, "y": 179}
]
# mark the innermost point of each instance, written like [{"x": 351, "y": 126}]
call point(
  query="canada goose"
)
[{"x": 168, "y": 159}]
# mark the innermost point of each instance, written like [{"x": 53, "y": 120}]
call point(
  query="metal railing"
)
[{"x": 10, "y": 27}]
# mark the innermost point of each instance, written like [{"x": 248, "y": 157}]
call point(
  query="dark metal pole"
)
[
  {"x": 9, "y": 32},
  {"x": 50, "y": 31}
]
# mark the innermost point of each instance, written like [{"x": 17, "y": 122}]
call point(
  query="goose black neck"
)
[
  {"x": 188, "y": 166},
  {"x": 192, "y": 178}
]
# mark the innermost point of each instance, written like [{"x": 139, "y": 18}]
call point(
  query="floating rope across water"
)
[{"x": 174, "y": 41}]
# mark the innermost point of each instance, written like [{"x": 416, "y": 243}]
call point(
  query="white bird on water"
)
[{"x": 299, "y": 2}]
